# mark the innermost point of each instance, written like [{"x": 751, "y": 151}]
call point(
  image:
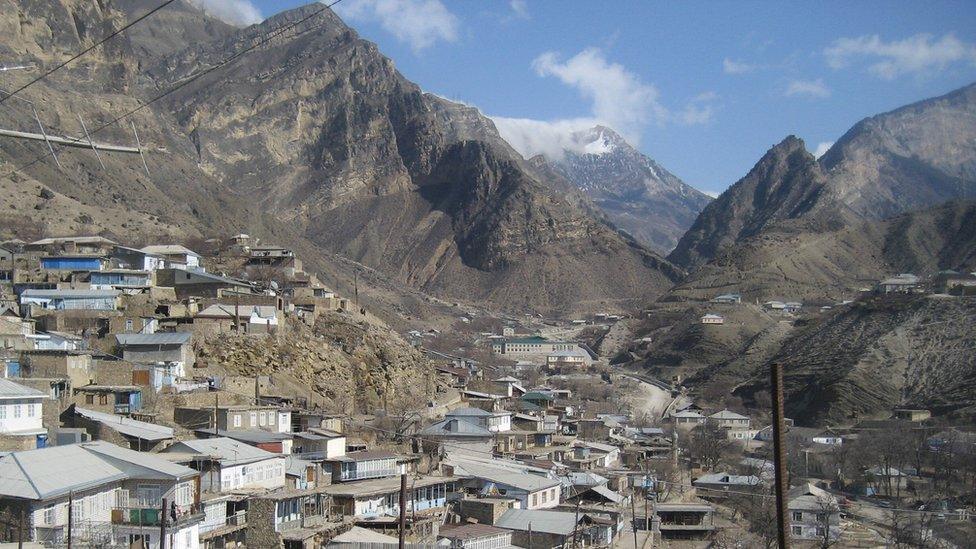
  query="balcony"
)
[{"x": 153, "y": 516}]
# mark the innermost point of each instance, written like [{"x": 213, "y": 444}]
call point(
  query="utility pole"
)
[
  {"x": 71, "y": 499},
  {"x": 779, "y": 454},
  {"x": 403, "y": 509},
  {"x": 162, "y": 525},
  {"x": 576, "y": 526},
  {"x": 216, "y": 412},
  {"x": 633, "y": 513},
  {"x": 530, "y": 536},
  {"x": 20, "y": 530}
]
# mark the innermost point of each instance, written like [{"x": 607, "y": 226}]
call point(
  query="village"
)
[{"x": 116, "y": 432}]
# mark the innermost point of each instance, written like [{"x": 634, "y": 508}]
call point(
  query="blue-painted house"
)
[
  {"x": 73, "y": 263},
  {"x": 120, "y": 279}
]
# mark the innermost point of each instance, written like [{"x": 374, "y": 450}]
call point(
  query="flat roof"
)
[{"x": 383, "y": 486}]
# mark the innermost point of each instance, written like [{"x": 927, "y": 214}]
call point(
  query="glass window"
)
[
  {"x": 263, "y": 418},
  {"x": 254, "y": 419},
  {"x": 16, "y": 411},
  {"x": 237, "y": 420},
  {"x": 3, "y": 412},
  {"x": 797, "y": 516}
]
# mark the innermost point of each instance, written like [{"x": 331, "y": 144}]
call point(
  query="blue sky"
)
[{"x": 703, "y": 88}]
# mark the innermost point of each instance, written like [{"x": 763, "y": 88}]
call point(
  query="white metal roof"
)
[
  {"x": 159, "y": 338},
  {"x": 229, "y": 451},
  {"x": 548, "y": 522},
  {"x": 9, "y": 389},
  {"x": 128, "y": 426}
]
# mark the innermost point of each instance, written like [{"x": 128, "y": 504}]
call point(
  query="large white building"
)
[{"x": 532, "y": 348}]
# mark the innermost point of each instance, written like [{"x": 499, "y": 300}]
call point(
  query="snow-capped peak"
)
[{"x": 603, "y": 144}]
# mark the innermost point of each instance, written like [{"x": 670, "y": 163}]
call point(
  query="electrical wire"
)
[{"x": 86, "y": 50}]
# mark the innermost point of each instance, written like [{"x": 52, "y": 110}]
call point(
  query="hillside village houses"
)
[{"x": 103, "y": 370}]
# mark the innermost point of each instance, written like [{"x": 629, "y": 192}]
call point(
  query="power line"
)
[
  {"x": 193, "y": 78},
  {"x": 86, "y": 50}
]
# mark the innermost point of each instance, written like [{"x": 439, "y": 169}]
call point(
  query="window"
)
[
  {"x": 263, "y": 418},
  {"x": 31, "y": 412},
  {"x": 16, "y": 411},
  {"x": 3, "y": 412},
  {"x": 797, "y": 516},
  {"x": 545, "y": 496},
  {"x": 103, "y": 399},
  {"x": 49, "y": 514},
  {"x": 535, "y": 500},
  {"x": 128, "y": 324},
  {"x": 254, "y": 419},
  {"x": 89, "y": 399},
  {"x": 797, "y": 530},
  {"x": 237, "y": 420},
  {"x": 821, "y": 531}
]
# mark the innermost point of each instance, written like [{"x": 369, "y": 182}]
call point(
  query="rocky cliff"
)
[{"x": 316, "y": 137}]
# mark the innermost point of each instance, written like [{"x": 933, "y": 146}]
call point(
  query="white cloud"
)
[
  {"x": 419, "y": 23},
  {"x": 235, "y": 12},
  {"x": 618, "y": 98},
  {"x": 730, "y": 66},
  {"x": 822, "y": 148},
  {"x": 699, "y": 110},
  {"x": 915, "y": 54},
  {"x": 810, "y": 88},
  {"x": 551, "y": 138},
  {"x": 520, "y": 8}
]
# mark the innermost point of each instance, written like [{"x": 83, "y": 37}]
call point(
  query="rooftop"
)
[
  {"x": 228, "y": 451},
  {"x": 70, "y": 294},
  {"x": 159, "y": 338},
  {"x": 9, "y": 389},
  {"x": 127, "y": 426},
  {"x": 547, "y": 522},
  {"x": 380, "y": 486},
  {"x": 469, "y": 531}
]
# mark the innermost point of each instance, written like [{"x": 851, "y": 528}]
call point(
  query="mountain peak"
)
[{"x": 598, "y": 140}]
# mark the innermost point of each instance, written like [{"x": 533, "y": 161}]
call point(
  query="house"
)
[
  {"x": 494, "y": 422},
  {"x": 362, "y": 465},
  {"x": 719, "y": 485},
  {"x": 712, "y": 319},
  {"x": 69, "y": 300},
  {"x": 542, "y": 399},
  {"x": 163, "y": 356},
  {"x": 527, "y": 485},
  {"x": 80, "y": 262},
  {"x": 727, "y": 298},
  {"x": 606, "y": 454},
  {"x": 73, "y": 365},
  {"x": 58, "y": 341},
  {"x": 954, "y": 283},
  {"x": 250, "y": 319},
  {"x": 195, "y": 283},
  {"x": 125, "y": 280},
  {"x": 113, "y": 399},
  {"x": 317, "y": 443},
  {"x": 358, "y": 537},
  {"x": 728, "y": 419},
  {"x": 685, "y": 520},
  {"x": 276, "y": 443},
  {"x": 116, "y": 494},
  {"x": 475, "y": 536},
  {"x": 227, "y": 465},
  {"x": 792, "y": 306},
  {"x": 174, "y": 256},
  {"x": 902, "y": 283},
  {"x": 688, "y": 419},
  {"x": 774, "y": 305},
  {"x": 290, "y": 518},
  {"x": 510, "y": 386},
  {"x": 536, "y": 529},
  {"x": 457, "y": 433},
  {"x": 814, "y": 514},
  {"x": 72, "y": 245},
  {"x": 380, "y": 498},
  {"x": 241, "y": 417},
  {"x": 16, "y": 333},
  {"x": 136, "y": 260},
  {"x": 21, "y": 410},
  {"x": 119, "y": 430},
  {"x": 568, "y": 360}
]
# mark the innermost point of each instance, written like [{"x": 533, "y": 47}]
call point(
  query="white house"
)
[
  {"x": 712, "y": 319},
  {"x": 496, "y": 422},
  {"x": 531, "y": 486},
  {"x": 176, "y": 256},
  {"x": 20, "y": 414},
  {"x": 235, "y": 465},
  {"x": 814, "y": 513},
  {"x": 729, "y": 420}
]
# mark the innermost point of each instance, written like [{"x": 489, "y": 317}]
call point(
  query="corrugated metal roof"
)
[
  {"x": 230, "y": 311},
  {"x": 468, "y": 412},
  {"x": 160, "y": 338},
  {"x": 456, "y": 428},
  {"x": 229, "y": 451},
  {"x": 727, "y": 414},
  {"x": 547, "y": 522},
  {"x": 128, "y": 426},
  {"x": 358, "y": 534},
  {"x": 169, "y": 249},
  {"x": 72, "y": 294},
  {"x": 50, "y": 472},
  {"x": 9, "y": 389},
  {"x": 520, "y": 480},
  {"x": 469, "y": 531},
  {"x": 608, "y": 493}
]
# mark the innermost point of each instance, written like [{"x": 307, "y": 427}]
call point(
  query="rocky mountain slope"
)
[
  {"x": 911, "y": 158},
  {"x": 636, "y": 194},
  {"x": 314, "y": 137},
  {"x": 864, "y": 359}
]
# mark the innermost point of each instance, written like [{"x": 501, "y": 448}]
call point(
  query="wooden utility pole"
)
[
  {"x": 20, "y": 529},
  {"x": 216, "y": 412},
  {"x": 530, "y": 536},
  {"x": 71, "y": 499},
  {"x": 633, "y": 513},
  {"x": 403, "y": 509},
  {"x": 576, "y": 526},
  {"x": 779, "y": 455},
  {"x": 162, "y": 525}
]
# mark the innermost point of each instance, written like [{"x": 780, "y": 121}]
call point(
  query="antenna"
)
[
  {"x": 46, "y": 140},
  {"x": 88, "y": 136}
]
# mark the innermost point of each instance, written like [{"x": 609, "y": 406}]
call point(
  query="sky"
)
[{"x": 704, "y": 88}]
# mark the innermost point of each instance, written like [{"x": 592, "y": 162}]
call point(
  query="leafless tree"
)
[{"x": 709, "y": 446}]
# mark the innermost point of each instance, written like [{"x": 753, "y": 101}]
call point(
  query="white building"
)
[
  {"x": 176, "y": 256},
  {"x": 814, "y": 513},
  {"x": 20, "y": 414},
  {"x": 712, "y": 319},
  {"x": 236, "y": 465},
  {"x": 496, "y": 422}
]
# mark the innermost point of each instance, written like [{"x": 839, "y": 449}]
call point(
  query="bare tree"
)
[{"x": 709, "y": 446}]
